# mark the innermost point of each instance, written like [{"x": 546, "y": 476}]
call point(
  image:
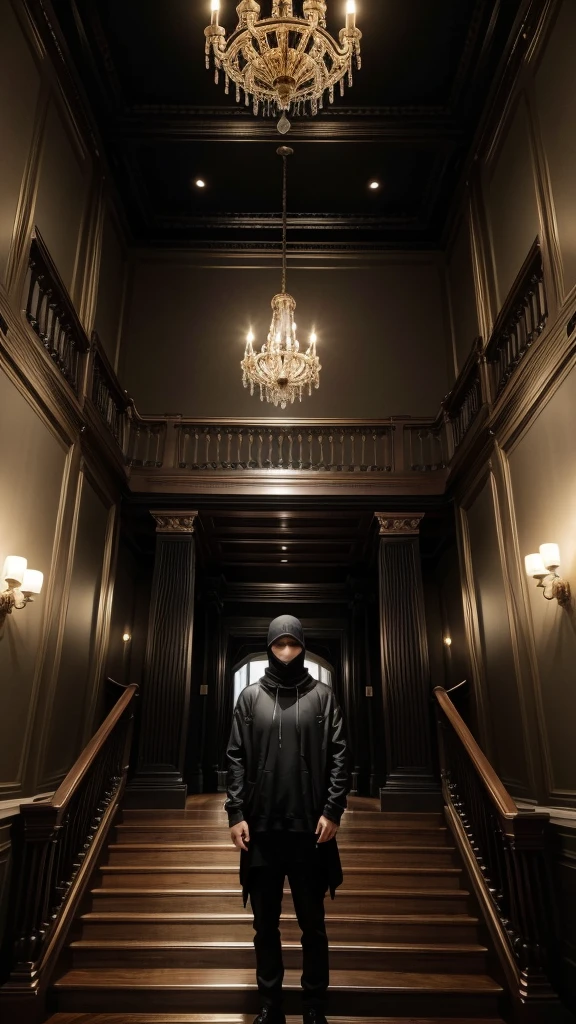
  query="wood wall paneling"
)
[
  {"x": 19, "y": 88},
  {"x": 510, "y": 198},
  {"x": 564, "y": 833},
  {"x": 389, "y": 319},
  {"x": 499, "y": 701},
  {"x": 32, "y": 473},
  {"x": 465, "y": 325},
  {"x": 111, "y": 286},
  {"x": 555, "y": 90},
  {"x": 544, "y": 513},
  {"x": 5, "y": 874},
  {"x": 62, "y": 198},
  {"x": 66, "y": 726}
]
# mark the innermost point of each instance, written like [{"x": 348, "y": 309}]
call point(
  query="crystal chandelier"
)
[
  {"x": 284, "y": 63},
  {"x": 280, "y": 370}
]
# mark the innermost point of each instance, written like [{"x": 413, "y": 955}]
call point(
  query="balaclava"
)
[{"x": 293, "y": 673}]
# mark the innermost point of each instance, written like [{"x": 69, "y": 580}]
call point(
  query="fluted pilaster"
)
[
  {"x": 167, "y": 670},
  {"x": 411, "y": 780}
]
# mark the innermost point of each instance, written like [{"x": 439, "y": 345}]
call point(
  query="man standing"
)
[{"x": 287, "y": 784}]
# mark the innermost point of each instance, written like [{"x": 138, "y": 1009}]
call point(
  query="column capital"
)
[
  {"x": 174, "y": 522},
  {"x": 394, "y": 524}
]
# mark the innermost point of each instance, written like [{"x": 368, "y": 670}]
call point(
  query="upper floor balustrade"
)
[{"x": 398, "y": 455}]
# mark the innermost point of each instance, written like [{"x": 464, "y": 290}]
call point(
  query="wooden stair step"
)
[
  {"x": 430, "y": 957},
  {"x": 406, "y": 834},
  {"x": 362, "y": 901},
  {"x": 224, "y": 854},
  {"x": 218, "y": 927},
  {"x": 221, "y": 989},
  {"x": 216, "y": 814},
  {"x": 197, "y": 876},
  {"x": 245, "y": 1018}
]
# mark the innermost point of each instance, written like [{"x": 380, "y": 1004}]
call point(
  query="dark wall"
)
[{"x": 382, "y": 336}]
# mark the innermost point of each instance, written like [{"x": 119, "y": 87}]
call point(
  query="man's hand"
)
[
  {"x": 240, "y": 835},
  {"x": 327, "y": 829}
]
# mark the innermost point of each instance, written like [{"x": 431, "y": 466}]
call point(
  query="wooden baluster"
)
[
  {"x": 260, "y": 443},
  {"x": 300, "y": 451}
]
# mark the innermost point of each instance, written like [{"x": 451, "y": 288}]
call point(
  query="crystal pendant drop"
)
[{"x": 283, "y": 125}]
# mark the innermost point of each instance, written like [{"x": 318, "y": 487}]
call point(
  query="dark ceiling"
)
[{"x": 427, "y": 67}]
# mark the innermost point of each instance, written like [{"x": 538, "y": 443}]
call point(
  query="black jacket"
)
[{"x": 325, "y": 776}]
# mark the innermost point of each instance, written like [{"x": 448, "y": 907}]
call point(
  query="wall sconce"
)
[
  {"x": 447, "y": 640},
  {"x": 21, "y": 584},
  {"x": 542, "y": 566},
  {"x": 126, "y": 637}
]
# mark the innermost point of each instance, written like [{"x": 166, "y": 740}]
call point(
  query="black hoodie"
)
[{"x": 318, "y": 736}]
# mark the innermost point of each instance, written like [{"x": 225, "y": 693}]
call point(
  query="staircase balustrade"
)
[
  {"x": 510, "y": 852},
  {"x": 51, "y": 314},
  {"x": 55, "y": 845}
]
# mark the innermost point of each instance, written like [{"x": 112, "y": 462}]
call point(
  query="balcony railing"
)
[
  {"x": 372, "y": 451},
  {"x": 240, "y": 447},
  {"x": 520, "y": 322},
  {"x": 51, "y": 314}
]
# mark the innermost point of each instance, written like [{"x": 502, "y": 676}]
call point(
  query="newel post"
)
[
  {"x": 411, "y": 780},
  {"x": 158, "y": 781}
]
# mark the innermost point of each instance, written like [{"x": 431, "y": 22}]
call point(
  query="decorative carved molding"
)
[
  {"x": 405, "y": 524},
  {"x": 174, "y": 522}
]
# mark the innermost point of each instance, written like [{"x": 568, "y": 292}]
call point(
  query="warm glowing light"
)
[
  {"x": 200, "y": 183},
  {"x": 550, "y": 555},
  {"x": 350, "y": 6},
  {"x": 126, "y": 637},
  {"x": 32, "y": 582},
  {"x": 535, "y": 566},
  {"x": 448, "y": 641},
  {"x": 215, "y": 5},
  {"x": 14, "y": 569},
  {"x": 284, "y": 548},
  {"x": 283, "y": 559},
  {"x": 313, "y": 337},
  {"x": 250, "y": 336},
  {"x": 374, "y": 185}
]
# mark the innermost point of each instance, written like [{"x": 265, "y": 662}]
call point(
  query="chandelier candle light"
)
[
  {"x": 280, "y": 370},
  {"x": 284, "y": 63}
]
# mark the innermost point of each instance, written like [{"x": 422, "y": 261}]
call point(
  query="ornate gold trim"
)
[
  {"x": 174, "y": 522},
  {"x": 405, "y": 524}
]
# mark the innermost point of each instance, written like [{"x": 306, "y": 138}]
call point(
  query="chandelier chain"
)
[{"x": 284, "y": 220}]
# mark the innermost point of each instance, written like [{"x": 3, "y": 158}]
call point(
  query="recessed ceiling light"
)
[
  {"x": 374, "y": 184},
  {"x": 283, "y": 559},
  {"x": 200, "y": 183},
  {"x": 284, "y": 548}
]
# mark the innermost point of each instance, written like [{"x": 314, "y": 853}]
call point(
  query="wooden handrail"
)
[
  {"x": 496, "y": 789},
  {"x": 506, "y": 852},
  {"x": 70, "y": 784},
  {"x": 57, "y": 844}
]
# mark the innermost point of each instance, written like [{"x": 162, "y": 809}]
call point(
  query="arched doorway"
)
[{"x": 252, "y": 668}]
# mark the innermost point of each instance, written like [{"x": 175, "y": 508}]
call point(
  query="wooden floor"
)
[{"x": 165, "y": 938}]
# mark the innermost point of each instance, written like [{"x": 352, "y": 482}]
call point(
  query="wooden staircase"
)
[{"x": 165, "y": 938}]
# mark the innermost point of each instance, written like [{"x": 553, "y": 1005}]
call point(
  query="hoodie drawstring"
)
[{"x": 280, "y": 715}]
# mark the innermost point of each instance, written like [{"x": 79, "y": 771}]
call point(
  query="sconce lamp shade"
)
[
  {"x": 550, "y": 554},
  {"x": 14, "y": 569},
  {"x": 32, "y": 582},
  {"x": 535, "y": 566}
]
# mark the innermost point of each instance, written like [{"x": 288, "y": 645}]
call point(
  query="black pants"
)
[{"x": 308, "y": 891}]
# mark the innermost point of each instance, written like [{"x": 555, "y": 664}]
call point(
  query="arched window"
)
[{"x": 252, "y": 669}]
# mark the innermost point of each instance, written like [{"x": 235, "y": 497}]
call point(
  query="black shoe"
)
[
  {"x": 313, "y": 1016},
  {"x": 270, "y": 1015}
]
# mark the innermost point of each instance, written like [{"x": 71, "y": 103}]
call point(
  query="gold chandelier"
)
[
  {"x": 284, "y": 63},
  {"x": 280, "y": 370}
]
